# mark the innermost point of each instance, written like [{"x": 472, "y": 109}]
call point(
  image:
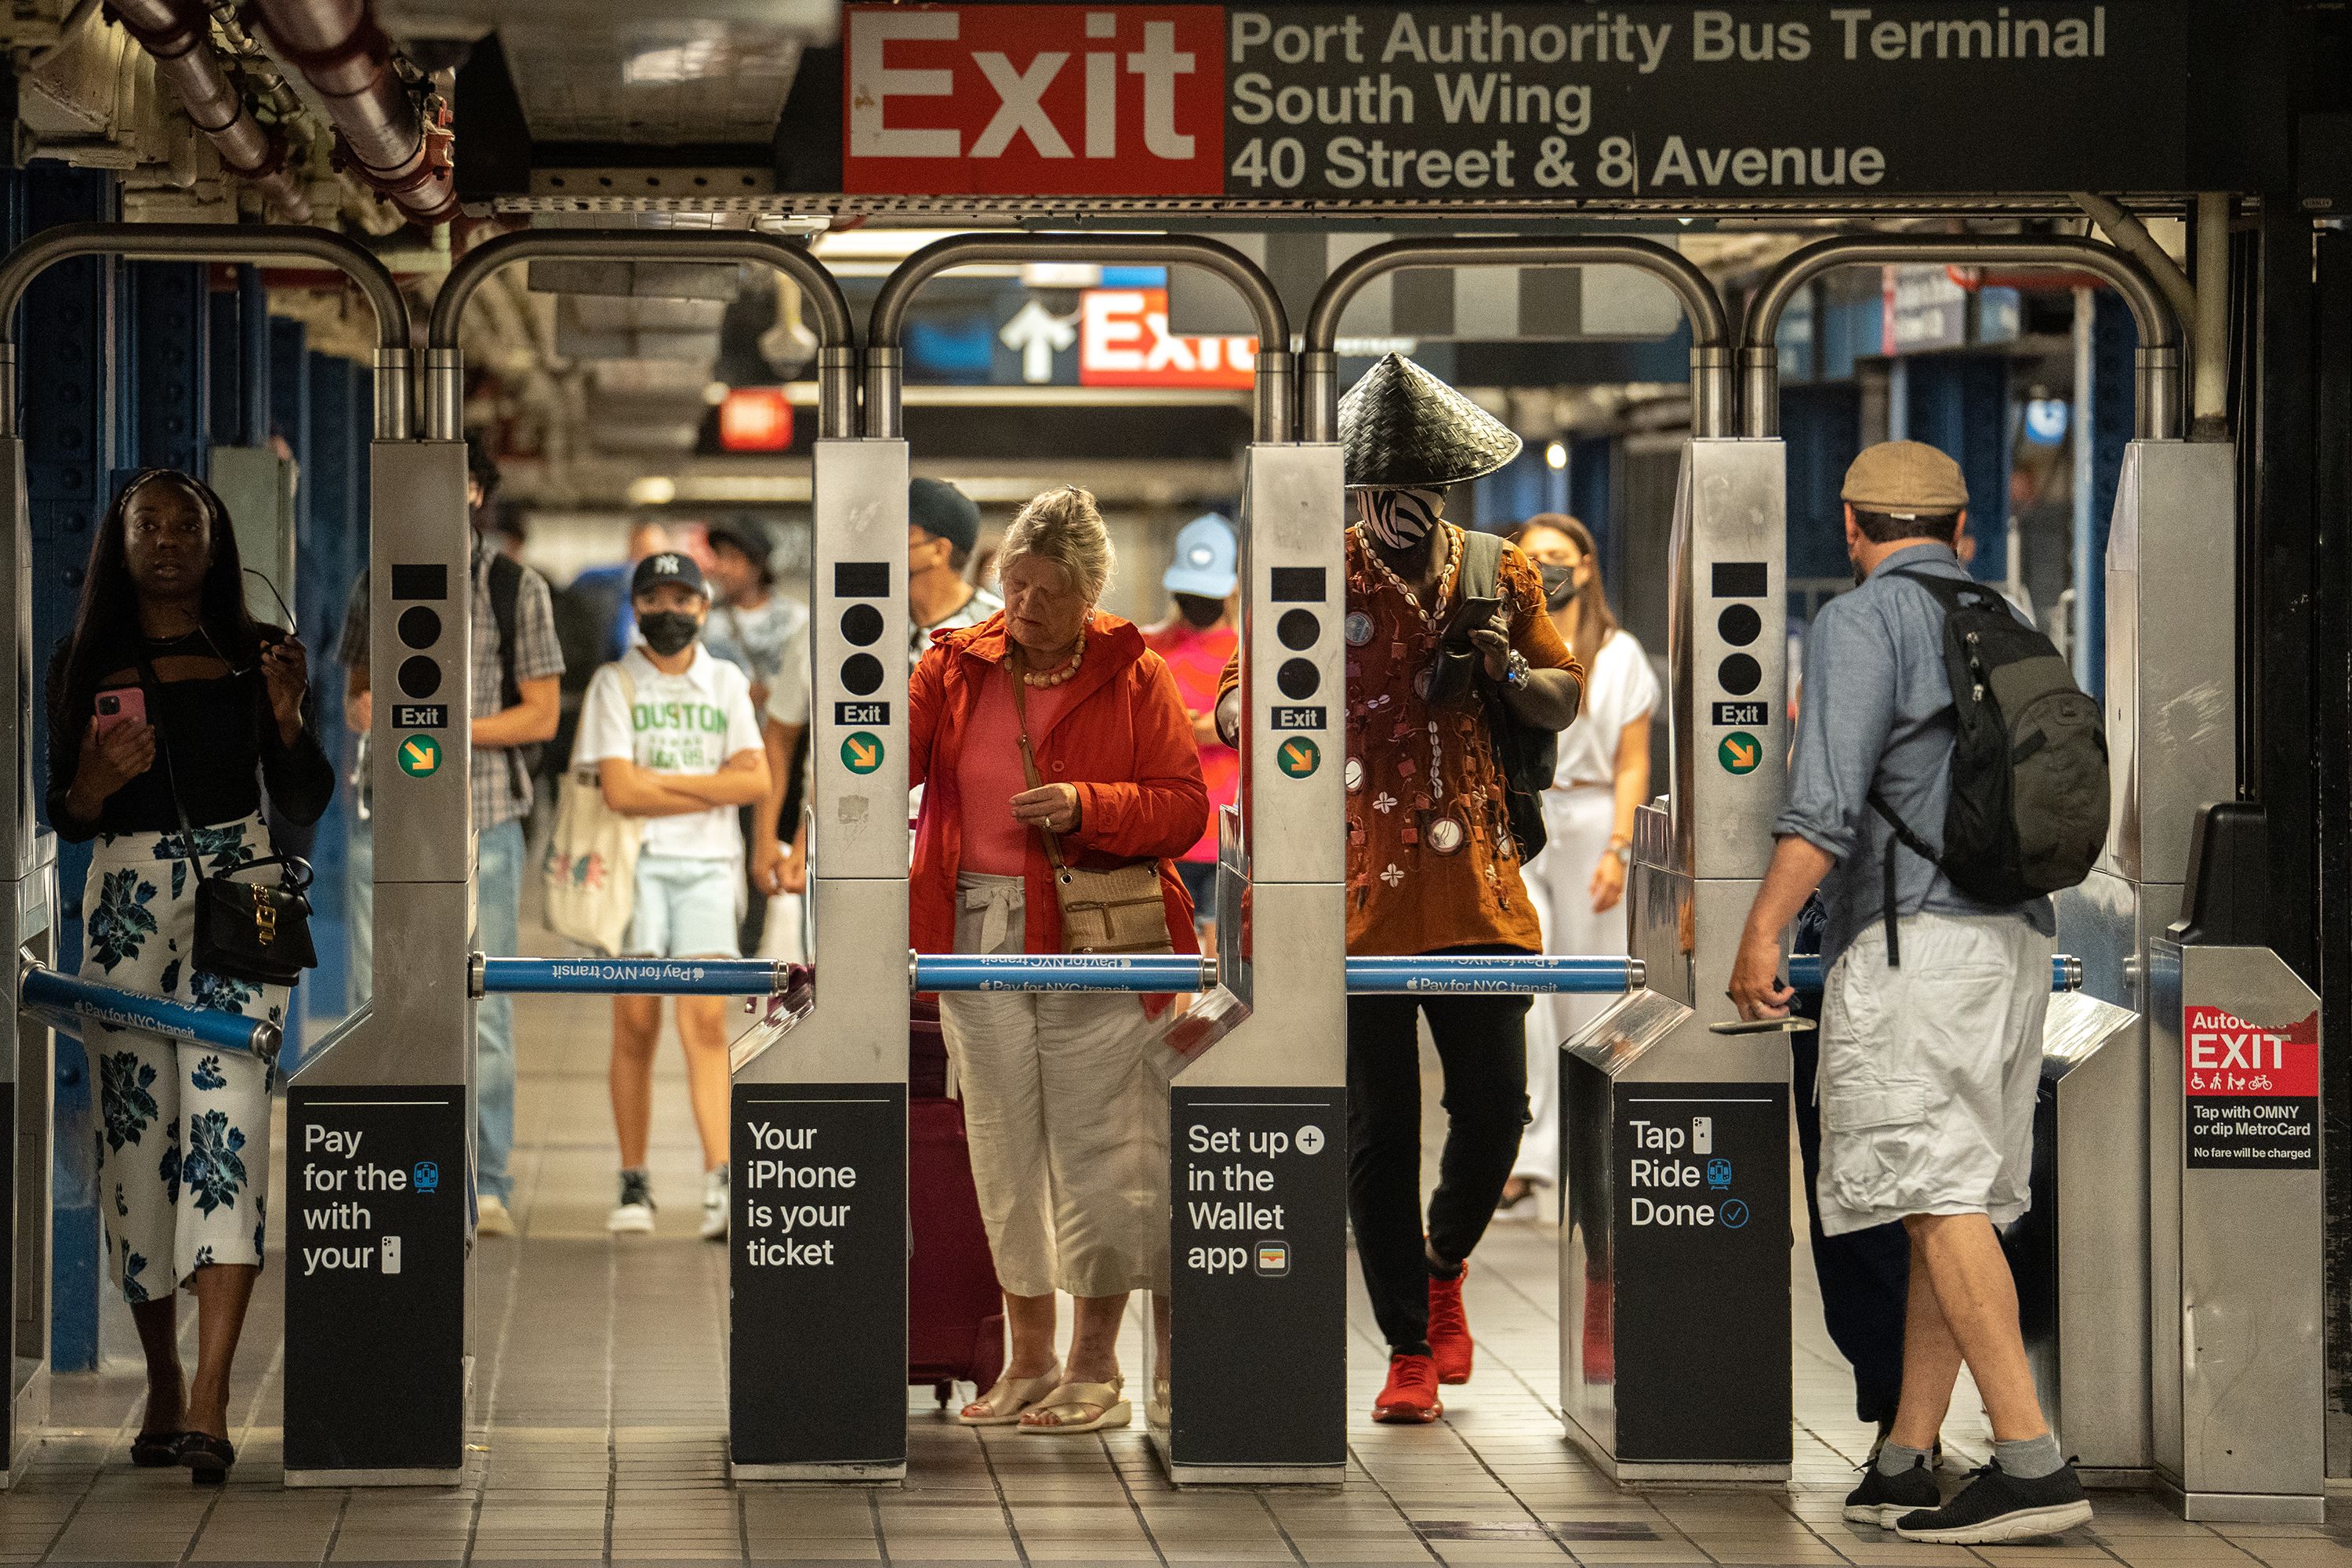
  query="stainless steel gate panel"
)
[{"x": 2239, "y": 1400}]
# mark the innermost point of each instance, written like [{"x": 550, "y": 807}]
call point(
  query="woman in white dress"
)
[{"x": 1603, "y": 774}]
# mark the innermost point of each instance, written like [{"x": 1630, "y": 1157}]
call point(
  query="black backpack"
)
[
  {"x": 1525, "y": 755},
  {"x": 2028, "y": 814}
]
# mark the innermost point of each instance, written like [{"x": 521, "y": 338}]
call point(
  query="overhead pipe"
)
[
  {"x": 836, "y": 354},
  {"x": 178, "y": 35},
  {"x": 394, "y": 409},
  {"x": 1710, "y": 354},
  {"x": 2157, "y": 363},
  {"x": 347, "y": 60}
]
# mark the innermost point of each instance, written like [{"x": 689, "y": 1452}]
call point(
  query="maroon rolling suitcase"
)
[{"x": 955, "y": 1314}]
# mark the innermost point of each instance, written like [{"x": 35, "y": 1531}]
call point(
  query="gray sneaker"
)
[
  {"x": 633, "y": 1214},
  {"x": 714, "y": 1205},
  {"x": 1882, "y": 1499},
  {"x": 1996, "y": 1506}
]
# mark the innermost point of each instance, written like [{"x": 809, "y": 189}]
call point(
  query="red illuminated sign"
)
[
  {"x": 755, "y": 419},
  {"x": 1014, "y": 100},
  {"x": 1124, "y": 341}
]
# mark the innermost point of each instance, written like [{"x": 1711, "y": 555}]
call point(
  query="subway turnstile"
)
[
  {"x": 28, "y": 904},
  {"x": 2081, "y": 1254}
]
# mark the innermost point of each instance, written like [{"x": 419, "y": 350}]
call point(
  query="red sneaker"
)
[
  {"x": 1449, "y": 1331},
  {"x": 1409, "y": 1396}
]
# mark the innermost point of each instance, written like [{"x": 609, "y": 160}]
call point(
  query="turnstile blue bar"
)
[
  {"x": 634, "y": 977},
  {"x": 1549, "y": 974},
  {"x": 1048, "y": 972},
  {"x": 74, "y": 1004},
  {"x": 1805, "y": 971}
]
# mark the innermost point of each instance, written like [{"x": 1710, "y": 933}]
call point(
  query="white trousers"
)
[
  {"x": 1067, "y": 1122},
  {"x": 1577, "y": 823}
]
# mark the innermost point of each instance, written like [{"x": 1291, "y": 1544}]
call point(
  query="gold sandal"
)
[
  {"x": 1009, "y": 1398},
  {"x": 1065, "y": 1409}
]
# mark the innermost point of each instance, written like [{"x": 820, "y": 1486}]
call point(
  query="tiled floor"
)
[{"x": 601, "y": 1389}]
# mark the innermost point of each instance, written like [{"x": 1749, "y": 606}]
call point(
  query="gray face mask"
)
[{"x": 1399, "y": 519}]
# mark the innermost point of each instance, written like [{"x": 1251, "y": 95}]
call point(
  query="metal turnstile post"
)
[
  {"x": 28, "y": 903},
  {"x": 1677, "y": 1165},
  {"x": 379, "y": 1117},
  {"x": 821, "y": 1114}
]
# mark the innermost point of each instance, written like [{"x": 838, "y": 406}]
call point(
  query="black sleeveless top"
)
[{"x": 215, "y": 739}]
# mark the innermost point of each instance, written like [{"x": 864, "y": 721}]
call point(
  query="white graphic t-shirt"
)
[{"x": 688, "y": 725}]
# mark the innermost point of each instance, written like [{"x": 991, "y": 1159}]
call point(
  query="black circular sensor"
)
[
  {"x": 1299, "y": 629},
  {"x": 420, "y": 677},
  {"x": 862, "y": 625},
  {"x": 862, "y": 673},
  {"x": 1739, "y": 675},
  {"x": 419, "y": 627},
  {"x": 1298, "y": 677},
  {"x": 1739, "y": 625}
]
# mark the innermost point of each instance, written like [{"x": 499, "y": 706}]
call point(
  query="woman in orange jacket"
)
[{"x": 1066, "y": 1119}]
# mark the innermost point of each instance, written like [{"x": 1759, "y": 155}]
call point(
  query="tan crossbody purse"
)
[{"x": 1102, "y": 912}]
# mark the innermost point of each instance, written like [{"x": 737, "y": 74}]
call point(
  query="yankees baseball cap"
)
[{"x": 670, "y": 566}]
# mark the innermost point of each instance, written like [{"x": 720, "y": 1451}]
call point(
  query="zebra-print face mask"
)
[{"x": 1398, "y": 518}]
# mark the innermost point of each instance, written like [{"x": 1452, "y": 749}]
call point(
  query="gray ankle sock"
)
[
  {"x": 2031, "y": 1459},
  {"x": 1894, "y": 1459}
]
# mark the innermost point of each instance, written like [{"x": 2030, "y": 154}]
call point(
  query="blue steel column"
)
[
  {"x": 66, "y": 337},
  {"x": 2109, "y": 428},
  {"x": 289, "y": 405},
  {"x": 1960, "y": 404},
  {"x": 165, "y": 361},
  {"x": 330, "y": 551},
  {"x": 240, "y": 361}
]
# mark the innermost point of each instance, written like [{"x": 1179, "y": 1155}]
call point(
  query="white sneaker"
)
[
  {"x": 633, "y": 1214},
  {"x": 491, "y": 1216},
  {"x": 714, "y": 1205}
]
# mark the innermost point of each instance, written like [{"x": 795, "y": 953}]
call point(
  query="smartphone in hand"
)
[{"x": 119, "y": 706}]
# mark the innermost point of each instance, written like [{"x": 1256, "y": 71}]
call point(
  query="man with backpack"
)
[
  {"x": 516, "y": 701},
  {"x": 1948, "y": 776}
]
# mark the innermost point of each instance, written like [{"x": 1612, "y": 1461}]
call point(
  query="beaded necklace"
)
[
  {"x": 1064, "y": 672},
  {"x": 1429, "y": 622}
]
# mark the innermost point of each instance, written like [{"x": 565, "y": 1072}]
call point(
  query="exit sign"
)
[{"x": 1124, "y": 341}]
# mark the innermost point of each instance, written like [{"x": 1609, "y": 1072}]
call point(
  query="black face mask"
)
[
  {"x": 1558, "y": 584},
  {"x": 669, "y": 631},
  {"x": 1202, "y": 613}
]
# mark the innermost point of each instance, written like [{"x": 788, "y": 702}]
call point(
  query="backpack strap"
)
[
  {"x": 1908, "y": 840},
  {"x": 1482, "y": 565}
]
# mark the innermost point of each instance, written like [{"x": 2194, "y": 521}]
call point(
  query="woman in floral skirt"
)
[{"x": 169, "y": 709}]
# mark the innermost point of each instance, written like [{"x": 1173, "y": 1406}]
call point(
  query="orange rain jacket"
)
[{"x": 1122, "y": 738}]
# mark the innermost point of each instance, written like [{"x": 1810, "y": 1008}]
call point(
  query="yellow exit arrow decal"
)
[{"x": 860, "y": 756}]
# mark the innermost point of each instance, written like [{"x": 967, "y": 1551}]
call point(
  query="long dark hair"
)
[
  {"x": 1595, "y": 621},
  {"x": 106, "y": 627}
]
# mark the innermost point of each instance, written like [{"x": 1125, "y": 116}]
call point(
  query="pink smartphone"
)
[{"x": 122, "y": 705}]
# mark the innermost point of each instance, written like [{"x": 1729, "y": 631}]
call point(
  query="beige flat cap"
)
[{"x": 1905, "y": 477}]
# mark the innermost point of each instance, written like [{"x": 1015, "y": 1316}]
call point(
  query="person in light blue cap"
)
[{"x": 1196, "y": 641}]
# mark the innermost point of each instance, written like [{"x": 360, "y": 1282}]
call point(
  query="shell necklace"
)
[
  {"x": 1444, "y": 579},
  {"x": 1060, "y": 674}
]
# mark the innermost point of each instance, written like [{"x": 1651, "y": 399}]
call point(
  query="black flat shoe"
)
[
  {"x": 156, "y": 1451},
  {"x": 208, "y": 1458}
]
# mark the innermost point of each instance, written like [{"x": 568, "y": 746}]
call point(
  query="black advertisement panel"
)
[
  {"x": 375, "y": 1278},
  {"x": 1702, "y": 1257},
  {"x": 818, "y": 1256},
  {"x": 1258, "y": 1187}
]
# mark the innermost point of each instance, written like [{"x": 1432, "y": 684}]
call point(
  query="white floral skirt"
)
[{"x": 182, "y": 1129}]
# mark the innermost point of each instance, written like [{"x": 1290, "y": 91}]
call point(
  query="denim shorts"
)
[{"x": 685, "y": 908}]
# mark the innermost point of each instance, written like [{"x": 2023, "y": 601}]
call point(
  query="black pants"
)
[
  {"x": 1864, "y": 1274},
  {"x": 755, "y": 907},
  {"x": 1482, "y": 1046}
]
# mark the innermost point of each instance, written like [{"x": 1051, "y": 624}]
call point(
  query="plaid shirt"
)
[{"x": 502, "y": 791}]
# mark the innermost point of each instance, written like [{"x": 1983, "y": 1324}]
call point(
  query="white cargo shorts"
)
[{"x": 1929, "y": 1072}]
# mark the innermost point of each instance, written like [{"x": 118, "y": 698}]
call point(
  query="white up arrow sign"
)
[{"x": 1039, "y": 335}]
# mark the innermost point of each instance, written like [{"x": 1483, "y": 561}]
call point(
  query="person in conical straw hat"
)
[{"x": 1448, "y": 644}]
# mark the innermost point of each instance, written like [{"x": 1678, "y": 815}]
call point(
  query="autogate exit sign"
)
[{"x": 2252, "y": 1090}]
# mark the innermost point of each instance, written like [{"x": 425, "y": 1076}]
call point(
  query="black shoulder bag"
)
[
  {"x": 254, "y": 931},
  {"x": 1525, "y": 755}
]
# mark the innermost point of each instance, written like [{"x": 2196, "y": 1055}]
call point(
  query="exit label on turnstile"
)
[
  {"x": 1739, "y": 752},
  {"x": 420, "y": 756},
  {"x": 862, "y": 752},
  {"x": 2253, "y": 1092},
  {"x": 1298, "y": 756}
]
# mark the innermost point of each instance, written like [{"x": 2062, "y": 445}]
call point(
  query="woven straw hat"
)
[{"x": 1403, "y": 428}]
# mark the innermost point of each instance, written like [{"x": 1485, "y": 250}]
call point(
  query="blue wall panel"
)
[
  {"x": 329, "y": 553},
  {"x": 1959, "y": 402},
  {"x": 66, "y": 349},
  {"x": 1822, "y": 427}
]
